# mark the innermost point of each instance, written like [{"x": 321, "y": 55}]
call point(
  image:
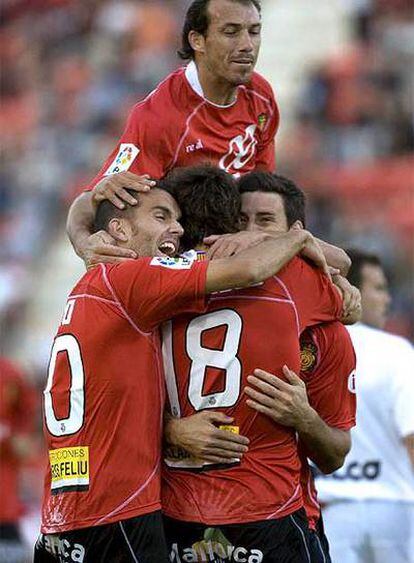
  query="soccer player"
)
[
  {"x": 17, "y": 420},
  {"x": 369, "y": 512},
  {"x": 216, "y": 109},
  {"x": 104, "y": 397},
  {"x": 253, "y": 506},
  {"x": 324, "y": 396}
]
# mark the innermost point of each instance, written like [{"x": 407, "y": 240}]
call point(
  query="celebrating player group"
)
[{"x": 202, "y": 363}]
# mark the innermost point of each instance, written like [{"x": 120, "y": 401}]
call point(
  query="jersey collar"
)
[{"x": 191, "y": 74}]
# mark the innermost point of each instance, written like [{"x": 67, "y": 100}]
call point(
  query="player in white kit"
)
[{"x": 369, "y": 512}]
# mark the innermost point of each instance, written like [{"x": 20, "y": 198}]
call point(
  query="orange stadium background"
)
[{"x": 72, "y": 69}]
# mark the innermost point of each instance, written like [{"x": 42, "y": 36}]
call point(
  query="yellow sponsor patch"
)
[
  {"x": 233, "y": 429},
  {"x": 70, "y": 469}
]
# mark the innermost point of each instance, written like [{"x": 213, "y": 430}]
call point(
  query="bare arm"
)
[
  {"x": 327, "y": 447},
  {"x": 260, "y": 262},
  {"x": 223, "y": 246},
  {"x": 336, "y": 257},
  {"x": 409, "y": 444},
  {"x": 204, "y": 437},
  {"x": 286, "y": 402},
  {"x": 352, "y": 308},
  {"x": 79, "y": 224}
]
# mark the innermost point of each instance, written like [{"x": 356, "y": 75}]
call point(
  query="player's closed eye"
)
[{"x": 243, "y": 220}]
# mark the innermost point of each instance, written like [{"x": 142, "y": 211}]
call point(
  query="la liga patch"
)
[
  {"x": 126, "y": 155},
  {"x": 172, "y": 263}
]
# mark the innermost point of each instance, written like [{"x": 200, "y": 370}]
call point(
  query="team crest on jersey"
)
[
  {"x": 70, "y": 469},
  {"x": 181, "y": 263},
  {"x": 308, "y": 356},
  {"x": 126, "y": 155},
  {"x": 241, "y": 150},
  {"x": 262, "y": 120}
]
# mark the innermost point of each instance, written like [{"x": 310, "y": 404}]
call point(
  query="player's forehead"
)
[
  {"x": 160, "y": 199},
  {"x": 374, "y": 275},
  {"x": 254, "y": 203},
  {"x": 227, "y": 12}
]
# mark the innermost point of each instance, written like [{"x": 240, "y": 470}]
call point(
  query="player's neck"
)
[
  {"x": 215, "y": 89},
  {"x": 373, "y": 324}
]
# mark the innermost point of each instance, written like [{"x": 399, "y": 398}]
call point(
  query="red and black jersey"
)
[
  {"x": 207, "y": 359},
  {"x": 104, "y": 398},
  {"x": 328, "y": 365}
]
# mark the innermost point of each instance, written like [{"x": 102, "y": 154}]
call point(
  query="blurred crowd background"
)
[{"x": 72, "y": 69}]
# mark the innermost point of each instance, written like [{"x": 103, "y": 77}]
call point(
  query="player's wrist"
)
[
  {"x": 172, "y": 432},
  {"x": 307, "y": 422},
  {"x": 300, "y": 236}
]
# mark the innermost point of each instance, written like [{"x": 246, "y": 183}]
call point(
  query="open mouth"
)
[{"x": 168, "y": 248}]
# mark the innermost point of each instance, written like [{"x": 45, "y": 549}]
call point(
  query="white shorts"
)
[{"x": 370, "y": 531}]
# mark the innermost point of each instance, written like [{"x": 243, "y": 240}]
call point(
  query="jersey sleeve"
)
[
  {"x": 316, "y": 298},
  {"x": 150, "y": 291},
  {"x": 403, "y": 388},
  {"x": 139, "y": 150},
  {"x": 266, "y": 149},
  {"x": 330, "y": 381}
]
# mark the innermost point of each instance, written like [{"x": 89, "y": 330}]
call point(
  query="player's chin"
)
[
  {"x": 160, "y": 254},
  {"x": 382, "y": 321},
  {"x": 242, "y": 77}
]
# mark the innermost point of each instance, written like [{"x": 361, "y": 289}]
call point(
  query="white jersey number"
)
[
  {"x": 67, "y": 344},
  {"x": 201, "y": 358}
]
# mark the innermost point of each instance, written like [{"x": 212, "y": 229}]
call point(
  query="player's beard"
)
[{"x": 243, "y": 76}]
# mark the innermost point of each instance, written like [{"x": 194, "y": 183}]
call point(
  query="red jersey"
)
[
  {"x": 17, "y": 417},
  {"x": 104, "y": 397},
  {"x": 328, "y": 365},
  {"x": 177, "y": 126},
  {"x": 207, "y": 360}
]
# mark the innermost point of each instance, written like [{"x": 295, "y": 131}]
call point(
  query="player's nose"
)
[
  {"x": 176, "y": 228},
  {"x": 246, "y": 42},
  {"x": 252, "y": 226}
]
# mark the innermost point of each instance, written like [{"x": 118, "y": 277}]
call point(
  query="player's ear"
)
[
  {"x": 197, "y": 41},
  {"x": 119, "y": 229},
  {"x": 297, "y": 225}
]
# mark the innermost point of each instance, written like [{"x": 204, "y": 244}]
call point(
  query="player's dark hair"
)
[
  {"x": 209, "y": 200},
  {"x": 197, "y": 19},
  {"x": 107, "y": 211},
  {"x": 294, "y": 200},
  {"x": 359, "y": 260}
]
